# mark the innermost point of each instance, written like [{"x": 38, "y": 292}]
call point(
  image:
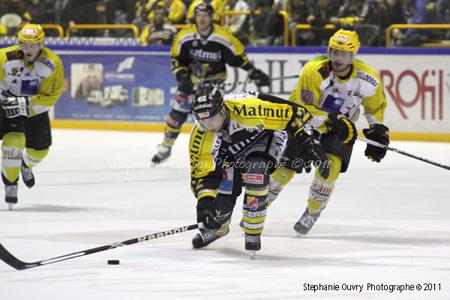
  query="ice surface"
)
[{"x": 386, "y": 223}]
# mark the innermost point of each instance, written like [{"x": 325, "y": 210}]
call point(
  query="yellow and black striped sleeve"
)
[
  {"x": 180, "y": 52},
  {"x": 234, "y": 51},
  {"x": 205, "y": 173}
]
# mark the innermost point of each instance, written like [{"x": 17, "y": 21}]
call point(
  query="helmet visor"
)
[
  {"x": 31, "y": 51},
  {"x": 340, "y": 57},
  {"x": 213, "y": 123}
]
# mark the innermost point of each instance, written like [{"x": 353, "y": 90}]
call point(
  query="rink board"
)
[{"x": 131, "y": 87}]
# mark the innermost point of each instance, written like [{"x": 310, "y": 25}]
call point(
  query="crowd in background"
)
[{"x": 159, "y": 20}]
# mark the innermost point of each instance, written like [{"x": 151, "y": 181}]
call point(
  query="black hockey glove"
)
[
  {"x": 343, "y": 127},
  {"x": 259, "y": 77},
  {"x": 378, "y": 133},
  {"x": 15, "y": 106},
  {"x": 315, "y": 152},
  {"x": 206, "y": 213},
  {"x": 185, "y": 82}
]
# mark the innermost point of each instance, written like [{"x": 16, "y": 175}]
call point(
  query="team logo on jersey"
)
[
  {"x": 367, "y": 77},
  {"x": 260, "y": 111},
  {"x": 307, "y": 96},
  {"x": 252, "y": 203},
  {"x": 200, "y": 54}
]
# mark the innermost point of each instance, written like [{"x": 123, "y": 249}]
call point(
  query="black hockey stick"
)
[
  {"x": 404, "y": 153},
  {"x": 17, "y": 264}
]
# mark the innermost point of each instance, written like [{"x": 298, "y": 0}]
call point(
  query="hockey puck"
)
[{"x": 113, "y": 262}]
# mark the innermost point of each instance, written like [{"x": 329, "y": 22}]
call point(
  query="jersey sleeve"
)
[
  {"x": 179, "y": 52},
  {"x": 375, "y": 106},
  {"x": 50, "y": 88},
  {"x": 307, "y": 93},
  {"x": 234, "y": 51},
  {"x": 205, "y": 173}
]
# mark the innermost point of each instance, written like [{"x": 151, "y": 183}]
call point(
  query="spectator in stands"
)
[
  {"x": 120, "y": 11},
  {"x": 300, "y": 12},
  {"x": 61, "y": 13},
  {"x": 10, "y": 24},
  {"x": 390, "y": 12},
  {"x": 361, "y": 16},
  {"x": 35, "y": 12},
  {"x": 238, "y": 24},
  {"x": 71, "y": 12},
  {"x": 12, "y": 7},
  {"x": 158, "y": 32},
  {"x": 323, "y": 12},
  {"x": 414, "y": 12},
  {"x": 177, "y": 11},
  {"x": 82, "y": 12},
  {"x": 268, "y": 24},
  {"x": 443, "y": 11}
]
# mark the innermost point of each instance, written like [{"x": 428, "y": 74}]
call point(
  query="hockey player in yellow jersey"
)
[
  {"x": 333, "y": 88},
  {"x": 237, "y": 142},
  {"x": 31, "y": 82},
  {"x": 200, "y": 54}
]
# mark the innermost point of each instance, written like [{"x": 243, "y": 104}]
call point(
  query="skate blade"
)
[
  {"x": 252, "y": 254},
  {"x": 299, "y": 235},
  {"x": 10, "y": 206}
]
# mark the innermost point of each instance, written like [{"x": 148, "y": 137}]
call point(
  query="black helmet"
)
[
  {"x": 208, "y": 102},
  {"x": 204, "y": 7}
]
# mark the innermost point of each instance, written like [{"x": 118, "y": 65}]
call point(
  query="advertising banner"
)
[{"x": 137, "y": 86}]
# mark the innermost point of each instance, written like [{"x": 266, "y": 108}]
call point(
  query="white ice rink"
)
[{"x": 386, "y": 223}]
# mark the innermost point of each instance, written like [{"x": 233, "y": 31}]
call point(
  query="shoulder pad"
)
[
  {"x": 14, "y": 55},
  {"x": 325, "y": 70},
  {"x": 44, "y": 66}
]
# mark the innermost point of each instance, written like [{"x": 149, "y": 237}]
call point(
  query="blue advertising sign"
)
[{"x": 116, "y": 86}]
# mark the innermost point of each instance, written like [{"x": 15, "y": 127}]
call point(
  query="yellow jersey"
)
[
  {"x": 323, "y": 92},
  {"x": 42, "y": 80}
]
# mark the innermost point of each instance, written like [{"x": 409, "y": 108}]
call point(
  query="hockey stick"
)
[
  {"x": 17, "y": 264},
  {"x": 248, "y": 81},
  {"x": 373, "y": 143}
]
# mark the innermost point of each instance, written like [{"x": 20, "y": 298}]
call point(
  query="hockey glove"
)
[
  {"x": 185, "y": 82},
  {"x": 259, "y": 77},
  {"x": 16, "y": 106},
  {"x": 378, "y": 133},
  {"x": 206, "y": 213},
  {"x": 315, "y": 152},
  {"x": 343, "y": 127}
]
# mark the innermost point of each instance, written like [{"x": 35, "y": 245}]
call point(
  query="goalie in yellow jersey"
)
[
  {"x": 333, "y": 88},
  {"x": 31, "y": 82},
  {"x": 237, "y": 142}
]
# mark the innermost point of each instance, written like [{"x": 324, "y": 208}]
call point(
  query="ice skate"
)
[
  {"x": 27, "y": 175},
  {"x": 204, "y": 238},
  {"x": 252, "y": 244},
  {"x": 305, "y": 223},
  {"x": 162, "y": 155},
  {"x": 11, "y": 195}
]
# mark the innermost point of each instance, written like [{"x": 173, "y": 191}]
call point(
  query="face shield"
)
[
  {"x": 214, "y": 123},
  {"x": 31, "y": 51},
  {"x": 340, "y": 60}
]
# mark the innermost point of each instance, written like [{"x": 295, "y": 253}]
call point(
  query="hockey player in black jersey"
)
[
  {"x": 237, "y": 142},
  {"x": 200, "y": 54}
]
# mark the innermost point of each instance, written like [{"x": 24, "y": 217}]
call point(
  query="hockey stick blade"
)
[
  {"x": 18, "y": 264},
  {"x": 374, "y": 143}
]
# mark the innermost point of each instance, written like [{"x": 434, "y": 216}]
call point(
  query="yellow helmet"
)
[
  {"x": 31, "y": 34},
  {"x": 345, "y": 40}
]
